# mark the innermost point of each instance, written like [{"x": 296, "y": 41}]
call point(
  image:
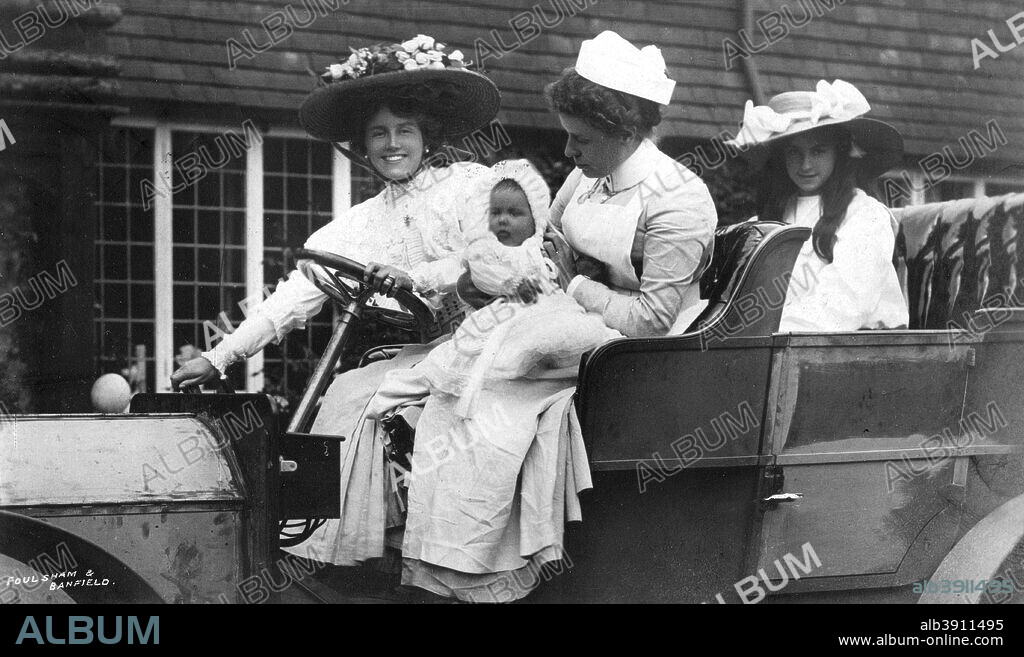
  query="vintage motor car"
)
[{"x": 730, "y": 464}]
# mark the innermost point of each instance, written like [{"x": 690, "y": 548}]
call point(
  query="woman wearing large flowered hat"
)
[{"x": 396, "y": 105}]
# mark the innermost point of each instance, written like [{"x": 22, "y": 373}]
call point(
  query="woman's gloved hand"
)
[
  {"x": 385, "y": 279},
  {"x": 195, "y": 372}
]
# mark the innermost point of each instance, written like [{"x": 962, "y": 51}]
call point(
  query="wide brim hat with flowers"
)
[
  {"x": 462, "y": 100},
  {"x": 877, "y": 146}
]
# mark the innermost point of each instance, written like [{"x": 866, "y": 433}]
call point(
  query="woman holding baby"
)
[
  {"x": 498, "y": 460},
  {"x": 640, "y": 224}
]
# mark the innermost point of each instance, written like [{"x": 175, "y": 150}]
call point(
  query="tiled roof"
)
[{"x": 913, "y": 60}]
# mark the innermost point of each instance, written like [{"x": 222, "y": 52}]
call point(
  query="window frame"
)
[{"x": 163, "y": 276}]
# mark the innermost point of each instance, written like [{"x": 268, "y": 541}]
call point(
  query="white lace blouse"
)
[
  {"x": 420, "y": 228},
  {"x": 859, "y": 289}
]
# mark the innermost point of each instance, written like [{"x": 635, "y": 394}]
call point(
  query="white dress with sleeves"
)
[
  {"x": 652, "y": 223},
  {"x": 859, "y": 289},
  {"x": 420, "y": 228}
]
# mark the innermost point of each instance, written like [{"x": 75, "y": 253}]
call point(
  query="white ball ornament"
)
[{"x": 111, "y": 394}]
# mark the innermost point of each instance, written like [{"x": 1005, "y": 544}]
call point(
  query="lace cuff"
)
[
  {"x": 438, "y": 277},
  {"x": 251, "y": 335}
]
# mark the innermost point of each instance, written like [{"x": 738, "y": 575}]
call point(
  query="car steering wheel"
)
[{"x": 416, "y": 315}]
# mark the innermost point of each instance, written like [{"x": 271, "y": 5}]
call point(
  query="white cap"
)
[{"x": 611, "y": 61}]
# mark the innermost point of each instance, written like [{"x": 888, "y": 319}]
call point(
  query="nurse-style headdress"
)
[{"x": 611, "y": 61}]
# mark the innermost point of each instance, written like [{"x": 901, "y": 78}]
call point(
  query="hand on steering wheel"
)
[
  {"x": 333, "y": 268},
  {"x": 385, "y": 279}
]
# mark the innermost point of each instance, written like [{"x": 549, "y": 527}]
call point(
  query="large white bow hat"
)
[
  {"x": 877, "y": 145},
  {"x": 611, "y": 61}
]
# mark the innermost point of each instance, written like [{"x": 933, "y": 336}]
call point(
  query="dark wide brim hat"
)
[
  {"x": 877, "y": 146},
  {"x": 462, "y": 100}
]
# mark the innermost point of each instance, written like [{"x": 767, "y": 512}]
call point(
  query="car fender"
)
[
  {"x": 24, "y": 539},
  {"x": 978, "y": 555}
]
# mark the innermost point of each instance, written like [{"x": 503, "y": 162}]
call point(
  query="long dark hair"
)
[{"x": 836, "y": 193}]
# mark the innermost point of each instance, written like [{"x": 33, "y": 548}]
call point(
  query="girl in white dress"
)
[{"x": 818, "y": 147}]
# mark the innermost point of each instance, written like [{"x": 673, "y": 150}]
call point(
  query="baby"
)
[{"x": 531, "y": 330}]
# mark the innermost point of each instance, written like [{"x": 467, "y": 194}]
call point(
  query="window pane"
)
[
  {"x": 188, "y": 333},
  {"x": 321, "y": 152},
  {"x": 142, "y": 301},
  {"x": 273, "y": 154},
  {"x": 296, "y": 156},
  {"x": 136, "y": 176},
  {"x": 208, "y": 227},
  {"x": 183, "y": 228},
  {"x": 272, "y": 268},
  {"x": 209, "y": 267},
  {"x": 208, "y": 190},
  {"x": 234, "y": 190},
  {"x": 184, "y": 301},
  {"x": 115, "y": 224},
  {"x": 185, "y": 195},
  {"x": 113, "y": 188},
  {"x": 142, "y": 263},
  {"x": 115, "y": 339},
  {"x": 298, "y": 194},
  {"x": 234, "y": 228},
  {"x": 115, "y": 300},
  {"x": 322, "y": 196},
  {"x": 233, "y": 266},
  {"x": 184, "y": 263},
  {"x": 273, "y": 230},
  {"x": 142, "y": 333},
  {"x": 208, "y": 305},
  {"x": 141, "y": 224},
  {"x": 115, "y": 264},
  {"x": 273, "y": 192},
  {"x": 298, "y": 231}
]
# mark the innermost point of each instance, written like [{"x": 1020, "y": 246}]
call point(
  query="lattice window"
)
[
  {"x": 124, "y": 308},
  {"x": 209, "y": 245},
  {"x": 297, "y": 201}
]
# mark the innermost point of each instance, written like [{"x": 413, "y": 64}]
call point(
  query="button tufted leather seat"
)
[{"x": 734, "y": 276}]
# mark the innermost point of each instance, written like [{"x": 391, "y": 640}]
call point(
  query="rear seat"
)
[
  {"x": 734, "y": 276},
  {"x": 958, "y": 256}
]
